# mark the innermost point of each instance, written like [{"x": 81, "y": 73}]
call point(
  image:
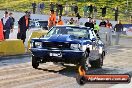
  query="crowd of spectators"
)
[
  {"x": 72, "y": 9},
  {"x": 7, "y": 25}
]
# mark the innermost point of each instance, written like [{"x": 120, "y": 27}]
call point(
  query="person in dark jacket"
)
[
  {"x": 57, "y": 9},
  {"x": 103, "y": 23},
  {"x": 89, "y": 23},
  {"x": 76, "y": 9},
  {"x": 91, "y": 11},
  {"x": 13, "y": 20},
  {"x": 23, "y": 25},
  {"x": 60, "y": 9},
  {"x": 78, "y": 16},
  {"x": 7, "y": 25},
  {"x": 116, "y": 13},
  {"x": 52, "y": 6},
  {"x": 103, "y": 11},
  {"x": 34, "y": 7},
  {"x": 71, "y": 22},
  {"x": 118, "y": 29},
  {"x": 42, "y": 5},
  {"x": 11, "y": 16}
]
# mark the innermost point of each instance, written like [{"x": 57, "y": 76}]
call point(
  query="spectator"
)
[
  {"x": 85, "y": 11},
  {"x": 76, "y": 9},
  {"x": 67, "y": 9},
  {"x": 60, "y": 22},
  {"x": 78, "y": 23},
  {"x": 57, "y": 9},
  {"x": 60, "y": 9},
  {"x": 13, "y": 20},
  {"x": 52, "y": 19},
  {"x": 55, "y": 23},
  {"x": 95, "y": 11},
  {"x": 96, "y": 27},
  {"x": 78, "y": 16},
  {"x": 23, "y": 25},
  {"x": 11, "y": 16},
  {"x": 88, "y": 11},
  {"x": 116, "y": 13},
  {"x": 91, "y": 11},
  {"x": 72, "y": 9},
  {"x": 103, "y": 11},
  {"x": 42, "y": 7},
  {"x": 108, "y": 24},
  {"x": 1, "y": 31},
  {"x": 7, "y": 25},
  {"x": 52, "y": 6},
  {"x": 71, "y": 22},
  {"x": 34, "y": 7},
  {"x": 38, "y": 8},
  {"x": 89, "y": 23},
  {"x": 118, "y": 29},
  {"x": 103, "y": 23}
]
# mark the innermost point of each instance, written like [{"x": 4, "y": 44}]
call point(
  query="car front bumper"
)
[{"x": 66, "y": 56}]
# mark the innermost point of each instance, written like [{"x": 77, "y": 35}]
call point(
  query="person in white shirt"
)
[{"x": 7, "y": 25}]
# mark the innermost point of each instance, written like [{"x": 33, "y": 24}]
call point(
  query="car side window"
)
[
  {"x": 51, "y": 32},
  {"x": 56, "y": 31},
  {"x": 94, "y": 34},
  {"x": 91, "y": 35}
]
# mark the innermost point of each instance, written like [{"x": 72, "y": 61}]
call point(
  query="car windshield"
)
[{"x": 76, "y": 31}]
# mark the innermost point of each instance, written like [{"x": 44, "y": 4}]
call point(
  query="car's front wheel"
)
[
  {"x": 85, "y": 61},
  {"x": 35, "y": 62},
  {"x": 97, "y": 63}
]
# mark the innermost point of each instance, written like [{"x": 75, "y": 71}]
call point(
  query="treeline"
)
[{"x": 125, "y": 8}]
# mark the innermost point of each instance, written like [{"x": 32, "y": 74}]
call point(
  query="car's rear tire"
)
[
  {"x": 84, "y": 61},
  {"x": 97, "y": 63},
  {"x": 35, "y": 62}
]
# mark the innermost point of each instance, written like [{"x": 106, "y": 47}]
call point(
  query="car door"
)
[{"x": 94, "y": 53}]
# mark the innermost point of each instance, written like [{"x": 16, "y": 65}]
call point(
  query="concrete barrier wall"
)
[{"x": 11, "y": 47}]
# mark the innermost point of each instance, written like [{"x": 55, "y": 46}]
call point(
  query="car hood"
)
[{"x": 62, "y": 38}]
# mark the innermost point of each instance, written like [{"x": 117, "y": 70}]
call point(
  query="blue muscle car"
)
[{"x": 68, "y": 45}]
